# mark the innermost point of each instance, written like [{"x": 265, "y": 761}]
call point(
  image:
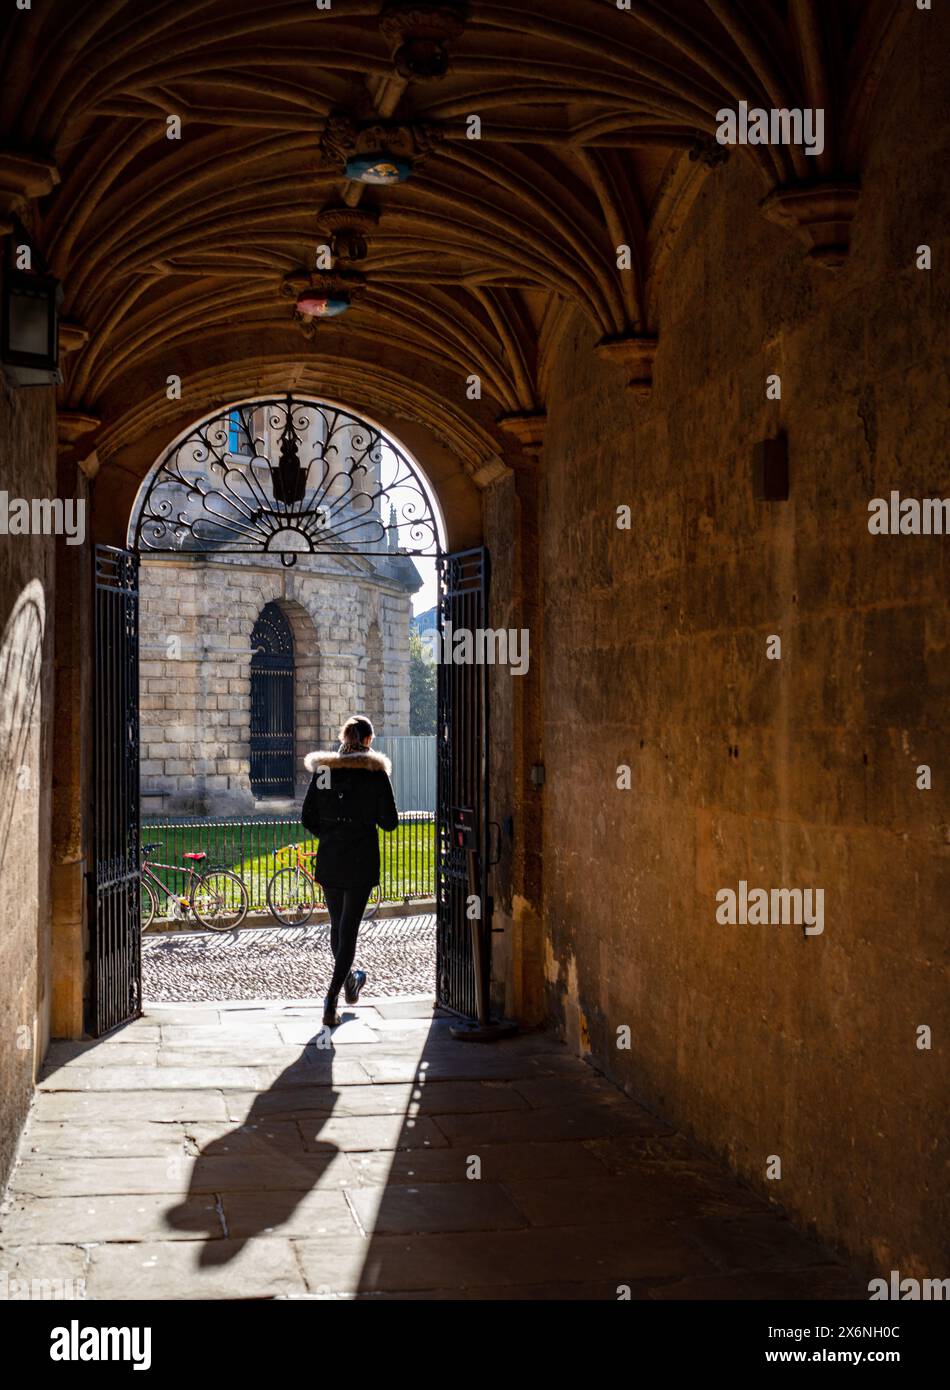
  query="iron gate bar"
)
[
  {"x": 462, "y": 772},
  {"x": 115, "y": 920}
]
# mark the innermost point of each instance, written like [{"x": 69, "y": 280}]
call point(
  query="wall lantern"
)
[
  {"x": 379, "y": 167},
  {"x": 313, "y": 304},
  {"x": 29, "y": 318},
  {"x": 289, "y": 477}
]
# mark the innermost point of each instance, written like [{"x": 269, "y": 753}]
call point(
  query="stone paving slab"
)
[
  {"x": 266, "y": 1165},
  {"x": 87, "y": 1177},
  {"x": 469, "y": 1259},
  {"x": 232, "y": 1155},
  {"x": 103, "y": 1106},
  {"x": 180, "y": 1013},
  {"x": 135, "y": 1032},
  {"x": 417, "y": 1007},
  {"x": 428, "y": 1025},
  {"x": 437, "y": 1097},
  {"x": 180, "y": 1269},
  {"x": 448, "y": 1206},
  {"x": 115, "y": 1054},
  {"x": 351, "y": 1031},
  {"x": 82, "y": 1220},
  {"x": 483, "y": 1066},
  {"x": 43, "y": 1267},
  {"x": 568, "y": 1121},
  {"x": 251, "y": 1132},
  {"x": 109, "y": 1138},
  {"x": 298, "y": 1032},
  {"x": 288, "y": 1212},
  {"x": 500, "y": 1162},
  {"x": 544, "y": 1201},
  {"x": 244, "y": 1054},
  {"x": 354, "y": 1133},
  {"x": 211, "y": 1078},
  {"x": 185, "y": 1037},
  {"x": 440, "y": 1046}
]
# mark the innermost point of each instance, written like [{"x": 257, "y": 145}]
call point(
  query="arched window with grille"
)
[{"x": 272, "y": 705}]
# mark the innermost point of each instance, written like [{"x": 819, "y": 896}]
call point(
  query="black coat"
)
[{"x": 357, "y": 796}]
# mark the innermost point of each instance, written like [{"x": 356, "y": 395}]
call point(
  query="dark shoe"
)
[
  {"x": 353, "y": 985},
  {"x": 331, "y": 1019}
]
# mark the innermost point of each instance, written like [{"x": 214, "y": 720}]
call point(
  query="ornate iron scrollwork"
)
[{"x": 285, "y": 476}]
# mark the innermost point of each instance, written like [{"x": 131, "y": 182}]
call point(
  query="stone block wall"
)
[
  {"x": 759, "y": 1040},
  {"x": 197, "y": 618},
  {"x": 27, "y": 567}
]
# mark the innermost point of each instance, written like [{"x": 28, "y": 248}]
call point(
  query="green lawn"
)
[{"x": 253, "y": 851}]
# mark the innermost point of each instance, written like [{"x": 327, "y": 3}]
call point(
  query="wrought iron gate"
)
[
  {"x": 290, "y": 477},
  {"x": 462, "y": 795},
  {"x": 272, "y": 705},
  {"x": 115, "y": 912}
]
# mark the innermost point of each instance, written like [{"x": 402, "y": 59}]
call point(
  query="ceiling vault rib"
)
[{"x": 596, "y": 129}]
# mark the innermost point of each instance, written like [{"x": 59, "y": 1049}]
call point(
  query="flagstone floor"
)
[{"x": 220, "y": 1151}]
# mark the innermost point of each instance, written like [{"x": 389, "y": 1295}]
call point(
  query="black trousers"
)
[{"x": 346, "y": 907}]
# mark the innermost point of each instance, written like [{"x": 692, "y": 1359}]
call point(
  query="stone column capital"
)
[
  {"x": 72, "y": 337},
  {"x": 634, "y": 354},
  {"x": 819, "y": 214},
  {"x": 71, "y": 425},
  {"x": 527, "y": 427},
  {"x": 22, "y": 178},
  {"x": 490, "y": 470}
]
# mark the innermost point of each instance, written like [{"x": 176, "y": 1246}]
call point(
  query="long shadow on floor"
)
[
  {"x": 261, "y": 1171},
  {"x": 496, "y": 1171}
]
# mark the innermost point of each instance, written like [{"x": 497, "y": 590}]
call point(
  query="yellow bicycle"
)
[{"x": 293, "y": 893}]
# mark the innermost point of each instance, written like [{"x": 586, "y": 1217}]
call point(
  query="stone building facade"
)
[{"x": 349, "y": 616}]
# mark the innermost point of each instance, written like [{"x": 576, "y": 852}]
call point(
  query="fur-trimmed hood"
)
[{"x": 366, "y": 758}]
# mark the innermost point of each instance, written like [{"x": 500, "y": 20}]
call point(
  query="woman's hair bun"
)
[{"x": 356, "y": 729}]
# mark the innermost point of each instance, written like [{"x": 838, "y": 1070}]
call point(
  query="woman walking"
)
[{"x": 350, "y": 795}]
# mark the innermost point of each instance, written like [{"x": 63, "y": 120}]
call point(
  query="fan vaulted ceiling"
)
[{"x": 596, "y": 130}]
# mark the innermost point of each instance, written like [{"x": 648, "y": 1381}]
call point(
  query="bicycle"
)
[
  {"x": 293, "y": 892},
  {"x": 219, "y": 898}
]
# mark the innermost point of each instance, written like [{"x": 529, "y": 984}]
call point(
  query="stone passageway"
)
[{"x": 220, "y": 1151}]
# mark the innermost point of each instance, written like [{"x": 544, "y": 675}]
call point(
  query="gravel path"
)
[{"x": 398, "y": 954}]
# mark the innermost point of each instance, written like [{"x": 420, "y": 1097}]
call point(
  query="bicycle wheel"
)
[
  {"x": 149, "y": 905},
  {"x": 372, "y": 907},
  {"x": 291, "y": 897},
  {"x": 219, "y": 900}
]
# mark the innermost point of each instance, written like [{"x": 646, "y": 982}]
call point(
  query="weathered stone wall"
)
[
  {"x": 799, "y": 772},
  {"x": 27, "y": 470},
  {"x": 516, "y": 803},
  {"x": 351, "y": 641}
]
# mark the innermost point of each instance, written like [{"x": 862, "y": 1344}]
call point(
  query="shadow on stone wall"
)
[{"x": 21, "y": 659}]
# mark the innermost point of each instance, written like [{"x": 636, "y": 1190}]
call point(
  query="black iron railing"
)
[{"x": 255, "y": 849}]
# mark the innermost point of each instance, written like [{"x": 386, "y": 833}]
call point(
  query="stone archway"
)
[
  {"x": 284, "y": 505},
  {"x": 120, "y": 471}
]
